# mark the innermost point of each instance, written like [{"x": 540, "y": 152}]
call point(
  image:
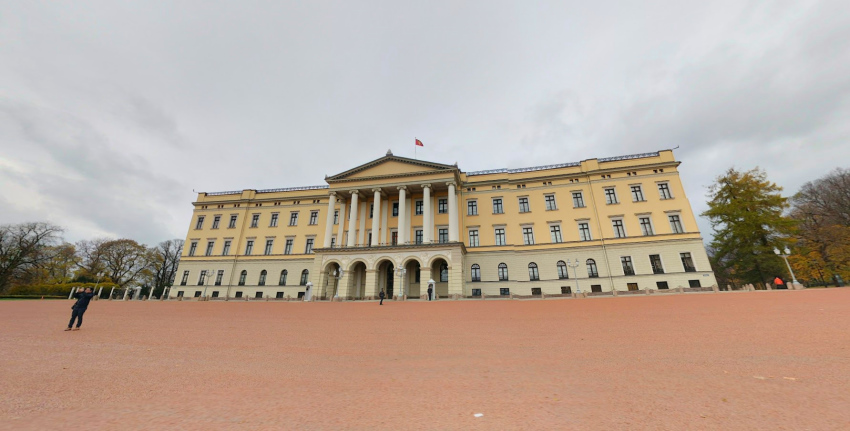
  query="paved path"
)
[{"x": 743, "y": 360}]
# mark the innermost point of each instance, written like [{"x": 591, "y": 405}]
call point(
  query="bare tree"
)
[
  {"x": 166, "y": 258},
  {"x": 23, "y": 247},
  {"x": 90, "y": 259}
]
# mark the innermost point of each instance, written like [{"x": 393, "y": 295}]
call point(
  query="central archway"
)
[
  {"x": 357, "y": 280},
  {"x": 440, "y": 273},
  {"x": 386, "y": 277}
]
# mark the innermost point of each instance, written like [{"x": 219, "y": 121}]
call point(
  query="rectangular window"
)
[
  {"x": 504, "y": 291},
  {"x": 443, "y": 236},
  {"x": 655, "y": 261},
  {"x": 584, "y": 232},
  {"x": 676, "y": 224},
  {"x": 239, "y": 294},
  {"x": 314, "y": 217},
  {"x": 226, "y": 250},
  {"x": 418, "y": 208},
  {"x": 418, "y": 236},
  {"x": 395, "y": 209},
  {"x": 293, "y": 219},
  {"x": 555, "y": 232},
  {"x": 192, "y": 248},
  {"x": 619, "y": 229},
  {"x": 216, "y": 220},
  {"x": 471, "y": 207},
  {"x": 255, "y": 220},
  {"x": 645, "y": 226},
  {"x": 610, "y": 196},
  {"x": 628, "y": 268},
  {"x": 287, "y": 248},
  {"x": 497, "y": 207},
  {"x": 595, "y": 288},
  {"x": 693, "y": 283},
  {"x": 333, "y": 242},
  {"x": 527, "y": 236},
  {"x": 566, "y": 290},
  {"x": 500, "y": 236},
  {"x": 269, "y": 244},
  {"x": 336, "y": 216},
  {"x": 578, "y": 200},
  {"x": 661, "y": 285},
  {"x": 249, "y": 247},
  {"x": 394, "y": 238},
  {"x": 273, "y": 222},
  {"x": 185, "y": 278},
  {"x": 473, "y": 238},
  {"x": 476, "y": 292},
  {"x": 309, "y": 248},
  {"x": 442, "y": 206},
  {"x": 232, "y": 223},
  {"x": 200, "y": 223},
  {"x": 369, "y": 239},
  {"x": 536, "y": 291},
  {"x": 218, "y": 277},
  {"x": 210, "y": 245},
  {"x": 197, "y": 294},
  {"x": 664, "y": 191},
  {"x": 371, "y": 210},
  {"x": 523, "y": 205},
  {"x": 278, "y": 295},
  {"x": 688, "y": 262},
  {"x": 215, "y": 294},
  {"x": 550, "y": 203},
  {"x": 632, "y": 286},
  {"x": 637, "y": 194}
]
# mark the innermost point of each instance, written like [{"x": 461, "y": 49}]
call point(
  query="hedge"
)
[{"x": 55, "y": 289}]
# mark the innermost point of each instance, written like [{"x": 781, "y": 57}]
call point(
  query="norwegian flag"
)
[{"x": 419, "y": 143}]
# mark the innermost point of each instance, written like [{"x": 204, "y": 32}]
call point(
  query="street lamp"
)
[
  {"x": 400, "y": 272},
  {"x": 207, "y": 280},
  {"x": 785, "y": 256},
  {"x": 337, "y": 274},
  {"x": 575, "y": 266},
  {"x": 99, "y": 276}
]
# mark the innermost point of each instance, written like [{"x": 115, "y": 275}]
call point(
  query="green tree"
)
[
  {"x": 745, "y": 211},
  {"x": 23, "y": 249}
]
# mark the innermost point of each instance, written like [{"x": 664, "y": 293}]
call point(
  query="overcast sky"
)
[{"x": 111, "y": 113}]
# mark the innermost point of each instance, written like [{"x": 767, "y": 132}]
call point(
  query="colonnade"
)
[{"x": 379, "y": 218}]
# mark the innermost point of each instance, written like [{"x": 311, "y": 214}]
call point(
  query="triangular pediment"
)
[{"x": 391, "y": 166}]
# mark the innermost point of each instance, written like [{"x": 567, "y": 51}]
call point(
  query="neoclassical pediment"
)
[{"x": 391, "y": 166}]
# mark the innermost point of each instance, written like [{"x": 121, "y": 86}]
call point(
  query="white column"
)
[
  {"x": 402, "y": 229},
  {"x": 352, "y": 222},
  {"x": 329, "y": 220},
  {"x": 452, "y": 212},
  {"x": 376, "y": 218},
  {"x": 427, "y": 224},
  {"x": 341, "y": 220}
]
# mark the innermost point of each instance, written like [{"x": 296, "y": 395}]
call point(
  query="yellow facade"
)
[{"x": 598, "y": 225}]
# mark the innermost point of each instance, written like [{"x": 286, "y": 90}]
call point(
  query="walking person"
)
[
  {"x": 79, "y": 308},
  {"x": 382, "y": 295},
  {"x": 430, "y": 290},
  {"x": 779, "y": 283}
]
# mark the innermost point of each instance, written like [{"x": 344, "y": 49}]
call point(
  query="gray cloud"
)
[{"x": 111, "y": 114}]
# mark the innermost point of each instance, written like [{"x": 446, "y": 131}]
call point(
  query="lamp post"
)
[
  {"x": 575, "y": 266},
  {"x": 337, "y": 275},
  {"x": 785, "y": 256},
  {"x": 207, "y": 280},
  {"x": 400, "y": 272},
  {"x": 99, "y": 275}
]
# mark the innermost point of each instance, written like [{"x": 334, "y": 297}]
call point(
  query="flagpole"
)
[{"x": 414, "y": 148}]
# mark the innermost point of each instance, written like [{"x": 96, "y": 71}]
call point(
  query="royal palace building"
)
[{"x": 397, "y": 224}]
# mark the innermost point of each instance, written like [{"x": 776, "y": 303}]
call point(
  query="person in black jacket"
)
[
  {"x": 79, "y": 308},
  {"x": 382, "y": 295}
]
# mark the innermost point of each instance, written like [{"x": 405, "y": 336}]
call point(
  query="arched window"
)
[
  {"x": 503, "y": 272},
  {"x": 563, "y": 273},
  {"x": 283, "y": 275},
  {"x": 242, "y": 276},
  {"x": 476, "y": 272},
  {"x": 444, "y": 272},
  {"x": 591, "y": 268},
  {"x": 532, "y": 272},
  {"x": 304, "y": 275},
  {"x": 262, "y": 281}
]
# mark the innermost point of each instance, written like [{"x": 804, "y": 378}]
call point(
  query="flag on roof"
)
[{"x": 419, "y": 143}]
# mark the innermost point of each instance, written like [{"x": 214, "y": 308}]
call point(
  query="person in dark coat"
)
[
  {"x": 429, "y": 292},
  {"x": 382, "y": 295},
  {"x": 79, "y": 308}
]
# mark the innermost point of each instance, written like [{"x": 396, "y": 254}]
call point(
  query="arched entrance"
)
[
  {"x": 331, "y": 285},
  {"x": 414, "y": 286},
  {"x": 440, "y": 274},
  {"x": 357, "y": 280},
  {"x": 386, "y": 278}
]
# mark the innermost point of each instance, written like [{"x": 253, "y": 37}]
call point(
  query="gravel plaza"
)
[{"x": 768, "y": 360}]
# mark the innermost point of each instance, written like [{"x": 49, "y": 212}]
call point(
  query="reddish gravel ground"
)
[{"x": 775, "y": 360}]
